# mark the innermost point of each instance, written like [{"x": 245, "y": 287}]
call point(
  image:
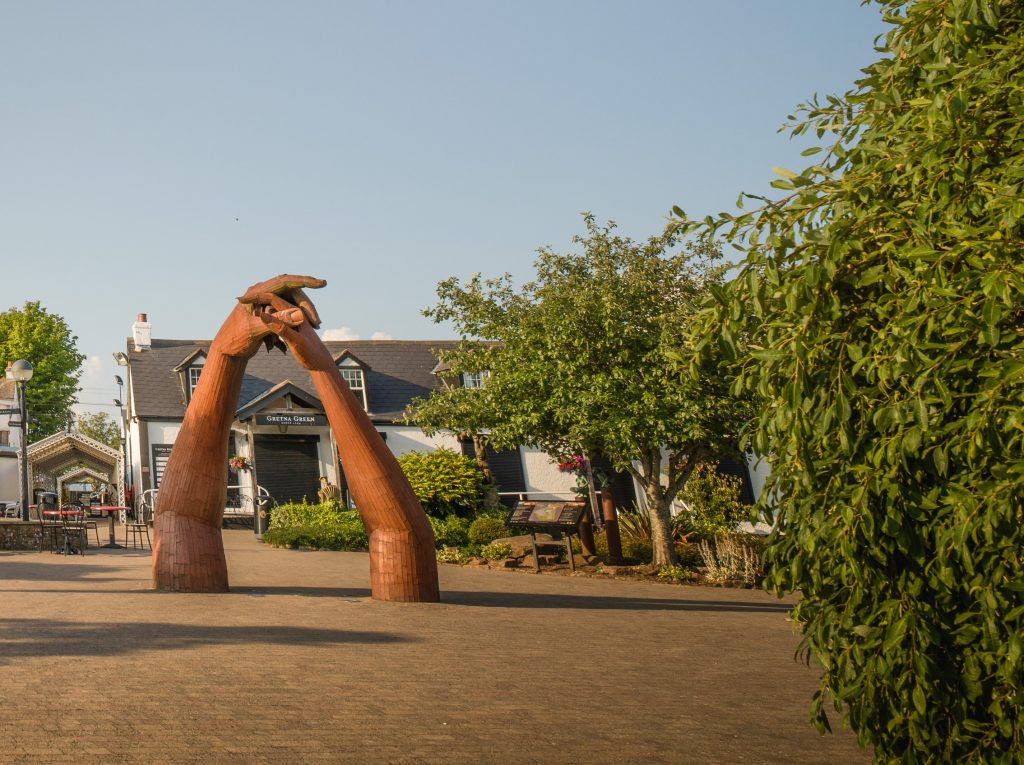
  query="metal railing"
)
[{"x": 246, "y": 508}]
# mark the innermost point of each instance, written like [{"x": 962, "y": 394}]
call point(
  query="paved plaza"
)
[{"x": 297, "y": 664}]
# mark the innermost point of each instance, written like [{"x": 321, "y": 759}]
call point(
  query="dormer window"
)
[
  {"x": 353, "y": 371},
  {"x": 189, "y": 371},
  {"x": 356, "y": 381},
  {"x": 475, "y": 379}
]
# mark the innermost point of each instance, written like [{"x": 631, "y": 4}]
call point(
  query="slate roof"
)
[{"x": 399, "y": 370}]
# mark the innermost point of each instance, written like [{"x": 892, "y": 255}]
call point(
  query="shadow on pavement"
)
[
  {"x": 540, "y": 600},
  {"x": 47, "y": 637},
  {"x": 39, "y": 571}
]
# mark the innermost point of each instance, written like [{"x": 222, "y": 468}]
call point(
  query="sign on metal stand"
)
[{"x": 559, "y": 519}]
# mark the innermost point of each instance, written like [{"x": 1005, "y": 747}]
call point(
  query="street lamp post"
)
[{"x": 21, "y": 372}]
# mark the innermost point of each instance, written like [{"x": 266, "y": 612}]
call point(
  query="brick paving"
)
[{"x": 297, "y": 664}]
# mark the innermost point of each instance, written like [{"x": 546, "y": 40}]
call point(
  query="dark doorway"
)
[
  {"x": 288, "y": 467},
  {"x": 506, "y": 467}
]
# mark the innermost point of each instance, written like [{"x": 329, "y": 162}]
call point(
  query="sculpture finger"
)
[
  {"x": 299, "y": 298},
  {"x": 282, "y": 309},
  {"x": 282, "y": 283}
]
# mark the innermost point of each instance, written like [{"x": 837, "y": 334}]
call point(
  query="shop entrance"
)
[{"x": 288, "y": 466}]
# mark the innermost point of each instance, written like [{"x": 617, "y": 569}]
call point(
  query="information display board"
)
[{"x": 547, "y": 515}]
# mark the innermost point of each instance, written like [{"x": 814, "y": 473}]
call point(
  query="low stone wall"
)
[{"x": 15, "y": 535}]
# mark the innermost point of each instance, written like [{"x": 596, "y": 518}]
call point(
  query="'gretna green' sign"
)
[{"x": 291, "y": 418}]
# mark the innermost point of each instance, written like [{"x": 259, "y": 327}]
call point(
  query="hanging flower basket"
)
[{"x": 239, "y": 463}]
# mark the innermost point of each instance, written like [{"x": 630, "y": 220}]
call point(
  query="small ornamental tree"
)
[
  {"x": 99, "y": 426},
  {"x": 583, "y": 359},
  {"x": 45, "y": 340},
  {"x": 888, "y": 338}
]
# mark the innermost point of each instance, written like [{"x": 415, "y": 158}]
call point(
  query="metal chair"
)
[
  {"x": 86, "y": 520},
  {"x": 49, "y": 530},
  {"x": 137, "y": 530},
  {"x": 76, "y": 535}
]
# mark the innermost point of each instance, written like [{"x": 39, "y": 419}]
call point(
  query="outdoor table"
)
[{"x": 110, "y": 510}]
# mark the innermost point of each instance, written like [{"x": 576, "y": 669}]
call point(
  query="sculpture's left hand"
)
[{"x": 267, "y": 310}]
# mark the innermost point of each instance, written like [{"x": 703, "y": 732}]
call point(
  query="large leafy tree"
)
[
  {"x": 44, "y": 339},
  {"x": 888, "y": 339},
  {"x": 99, "y": 426},
  {"x": 585, "y": 360}
]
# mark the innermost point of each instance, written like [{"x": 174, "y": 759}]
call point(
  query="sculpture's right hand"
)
[{"x": 285, "y": 309}]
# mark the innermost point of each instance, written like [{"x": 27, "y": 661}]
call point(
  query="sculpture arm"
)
[
  {"x": 403, "y": 563},
  {"x": 188, "y": 552}
]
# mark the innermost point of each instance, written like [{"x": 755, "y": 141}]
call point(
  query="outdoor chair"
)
[
  {"x": 137, "y": 529},
  {"x": 50, "y": 529},
  {"x": 86, "y": 520},
  {"x": 75, "y": 534}
]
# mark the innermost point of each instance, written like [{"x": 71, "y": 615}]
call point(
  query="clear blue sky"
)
[{"x": 160, "y": 157}]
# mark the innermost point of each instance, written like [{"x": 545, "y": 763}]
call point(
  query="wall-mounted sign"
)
[{"x": 291, "y": 418}]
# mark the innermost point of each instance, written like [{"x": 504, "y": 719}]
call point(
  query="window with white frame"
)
[
  {"x": 354, "y": 377},
  {"x": 193, "y": 379},
  {"x": 475, "y": 379}
]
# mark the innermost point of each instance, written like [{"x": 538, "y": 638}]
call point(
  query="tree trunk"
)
[
  {"x": 659, "y": 511},
  {"x": 480, "y": 453}
]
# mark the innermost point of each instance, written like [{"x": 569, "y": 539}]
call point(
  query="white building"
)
[
  {"x": 10, "y": 442},
  {"x": 280, "y": 425}
]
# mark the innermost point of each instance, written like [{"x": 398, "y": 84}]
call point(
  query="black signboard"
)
[
  {"x": 161, "y": 453},
  {"x": 291, "y": 418},
  {"x": 546, "y": 514}
]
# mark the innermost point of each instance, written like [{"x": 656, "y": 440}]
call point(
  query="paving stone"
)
[{"x": 297, "y": 664}]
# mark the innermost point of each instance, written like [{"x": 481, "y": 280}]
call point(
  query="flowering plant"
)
[
  {"x": 574, "y": 463},
  {"x": 239, "y": 463}
]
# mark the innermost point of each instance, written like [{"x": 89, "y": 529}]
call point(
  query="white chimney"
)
[{"x": 142, "y": 333}]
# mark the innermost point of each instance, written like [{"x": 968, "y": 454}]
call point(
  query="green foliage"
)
[
  {"x": 452, "y": 555},
  {"x": 712, "y": 503},
  {"x": 689, "y": 555},
  {"x": 878, "y": 312},
  {"x": 45, "y": 340},
  {"x": 496, "y": 551},
  {"x": 101, "y": 427},
  {"x": 582, "y": 358},
  {"x": 677, "y": 574},
  {"x": 324, "y": 526},
  {"x": 486, "y": 529},
  {"x": 450, "y": 531},
  {"x": 443, "y": 481}
]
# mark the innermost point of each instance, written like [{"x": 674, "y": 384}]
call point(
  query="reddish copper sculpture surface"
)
[{"x": 188, "y": 552}]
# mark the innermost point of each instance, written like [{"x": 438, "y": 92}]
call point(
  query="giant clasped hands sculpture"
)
[{"x": 188, "y": 552}]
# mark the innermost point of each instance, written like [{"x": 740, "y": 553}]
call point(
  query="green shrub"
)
[
  {"x": 326, "y": 526},
  {"x": 444, "y": 482},
  {"x": 303, "y": 514},
  {"x": 451, "y": 555},
  {"x": 712, "y": 503},
  {"x": 676, "y": 574},
  {"x": 347, "y": 537},
  {"x": 486, "y": 529},
  {"x": 496, "y": 552},
  {"x": 689, "y": 555},
  {"x": 450, "y": 531}
]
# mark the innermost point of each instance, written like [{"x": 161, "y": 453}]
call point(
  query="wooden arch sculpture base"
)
[{"x": 188, "y": 551}]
